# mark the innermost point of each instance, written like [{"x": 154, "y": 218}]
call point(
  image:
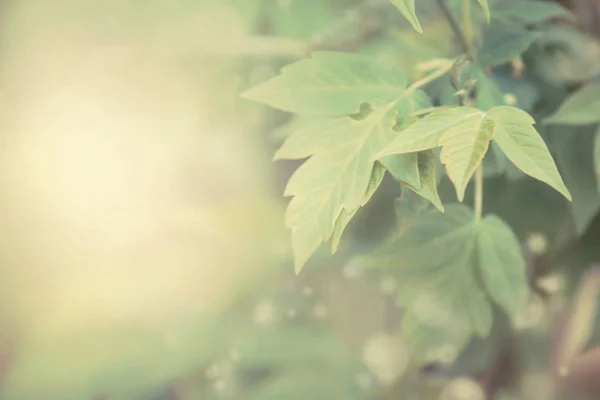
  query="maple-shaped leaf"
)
[
  {"x": 356, "y": 106},
  {"x": 438, "y": 260},
  {"x": 464, "y": 133},
  {"x": 407, "y": 8},
  {"x": 331, "y": 84},
  {"x": 336, "y": 180},
  {"x": 434, "y": 263}
]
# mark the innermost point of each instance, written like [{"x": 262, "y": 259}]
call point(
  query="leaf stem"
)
[
  {"x": 478, "y": 192},
  {"x": 439, "y": 72}
]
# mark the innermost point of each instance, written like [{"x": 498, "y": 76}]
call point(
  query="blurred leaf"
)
[
  {"x": 495, "y": 161},
  {"x": 581, "y": 108},
  {"x": 407, "y": 8},
  {"x": 575, "y": 159},
  {"x": 486, "y": 9},
  {"x": 504, "y": 43},
  {"x": 502, "y": 265},
  {"x": 503, "y": 89},
  {"x": 408, "y": 208},
  {"x": 528, "y": 12},
  {"x": 299, "y": 19},
  {"x": 434, "y": 261},
  {"x": 565, "y": 55}
]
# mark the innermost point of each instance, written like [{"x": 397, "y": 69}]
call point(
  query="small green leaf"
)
[
  {"x": 502, "y": 265},
  {"x": 331, "y": 84},
  {"x": 524, "y": 146},
  {"x": 504, "y": 43},
  {"x": 528, "y": 12},
  {"x": 404, "y": 168},
  {"x": 486, "y": 9},
  {"x": 463, "y": 133},
  {"x": 580, "y": 108},
  {"x": 346, "y": 216},
  {"x": 407, "y": 8},
  {"x": 428, "y": 187}
]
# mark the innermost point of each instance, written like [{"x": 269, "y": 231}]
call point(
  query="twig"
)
[
  {"x": 460, "y": 36},
  {"x": 478, "y": 192}
]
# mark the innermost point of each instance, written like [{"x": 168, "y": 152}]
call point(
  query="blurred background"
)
[{"x": 143, "y": 250}]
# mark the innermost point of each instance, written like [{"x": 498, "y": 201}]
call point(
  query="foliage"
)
[
  {"x": 438, "y": 158},
  {"x": 463, "y": 119}
]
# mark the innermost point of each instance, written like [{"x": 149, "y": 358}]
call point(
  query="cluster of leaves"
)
[{"x": 359, "y": 118}]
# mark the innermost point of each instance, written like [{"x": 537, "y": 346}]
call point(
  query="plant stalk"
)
[
  {"x": 439, "y": 72},
  {"x": 478, "y": 192},
  {"x": 467, "y": 24},
  {"x": 460, "y": 36}
]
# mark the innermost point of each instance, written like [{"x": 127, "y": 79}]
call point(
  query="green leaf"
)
[
  {"x": 407, "y": 8},
  {"x": 575, "y": 159},
  {"x": 502, "y": 265},
  {"x": 346, "y": 216},
  {"x": 404, "y": 168},
  {"x": 427, "y": 176},
  {"x": 338, "y": 175},
  {"x": 435, "y": 264},
  {"x": 580, "y": 108},
  {"x": 524, "y": 146},
  {"x": 504, "y": 43},
  {"x": 331, "y": 84},
  {"x": 463, "y": 133},
  {"x": 486, "y": 9},
  {"x": 303, "y": 135},
  {"x": 527, "y": 12},
  {"x": 299, "y": 19}
]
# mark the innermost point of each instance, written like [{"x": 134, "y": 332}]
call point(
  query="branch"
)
[{"x": 460, "y": 36}]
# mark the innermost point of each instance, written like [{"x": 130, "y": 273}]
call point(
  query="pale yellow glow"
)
[{"x": 109, "y": 153}]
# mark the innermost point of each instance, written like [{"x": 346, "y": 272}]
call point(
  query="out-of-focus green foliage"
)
[{"x": 145, "y": 254}]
